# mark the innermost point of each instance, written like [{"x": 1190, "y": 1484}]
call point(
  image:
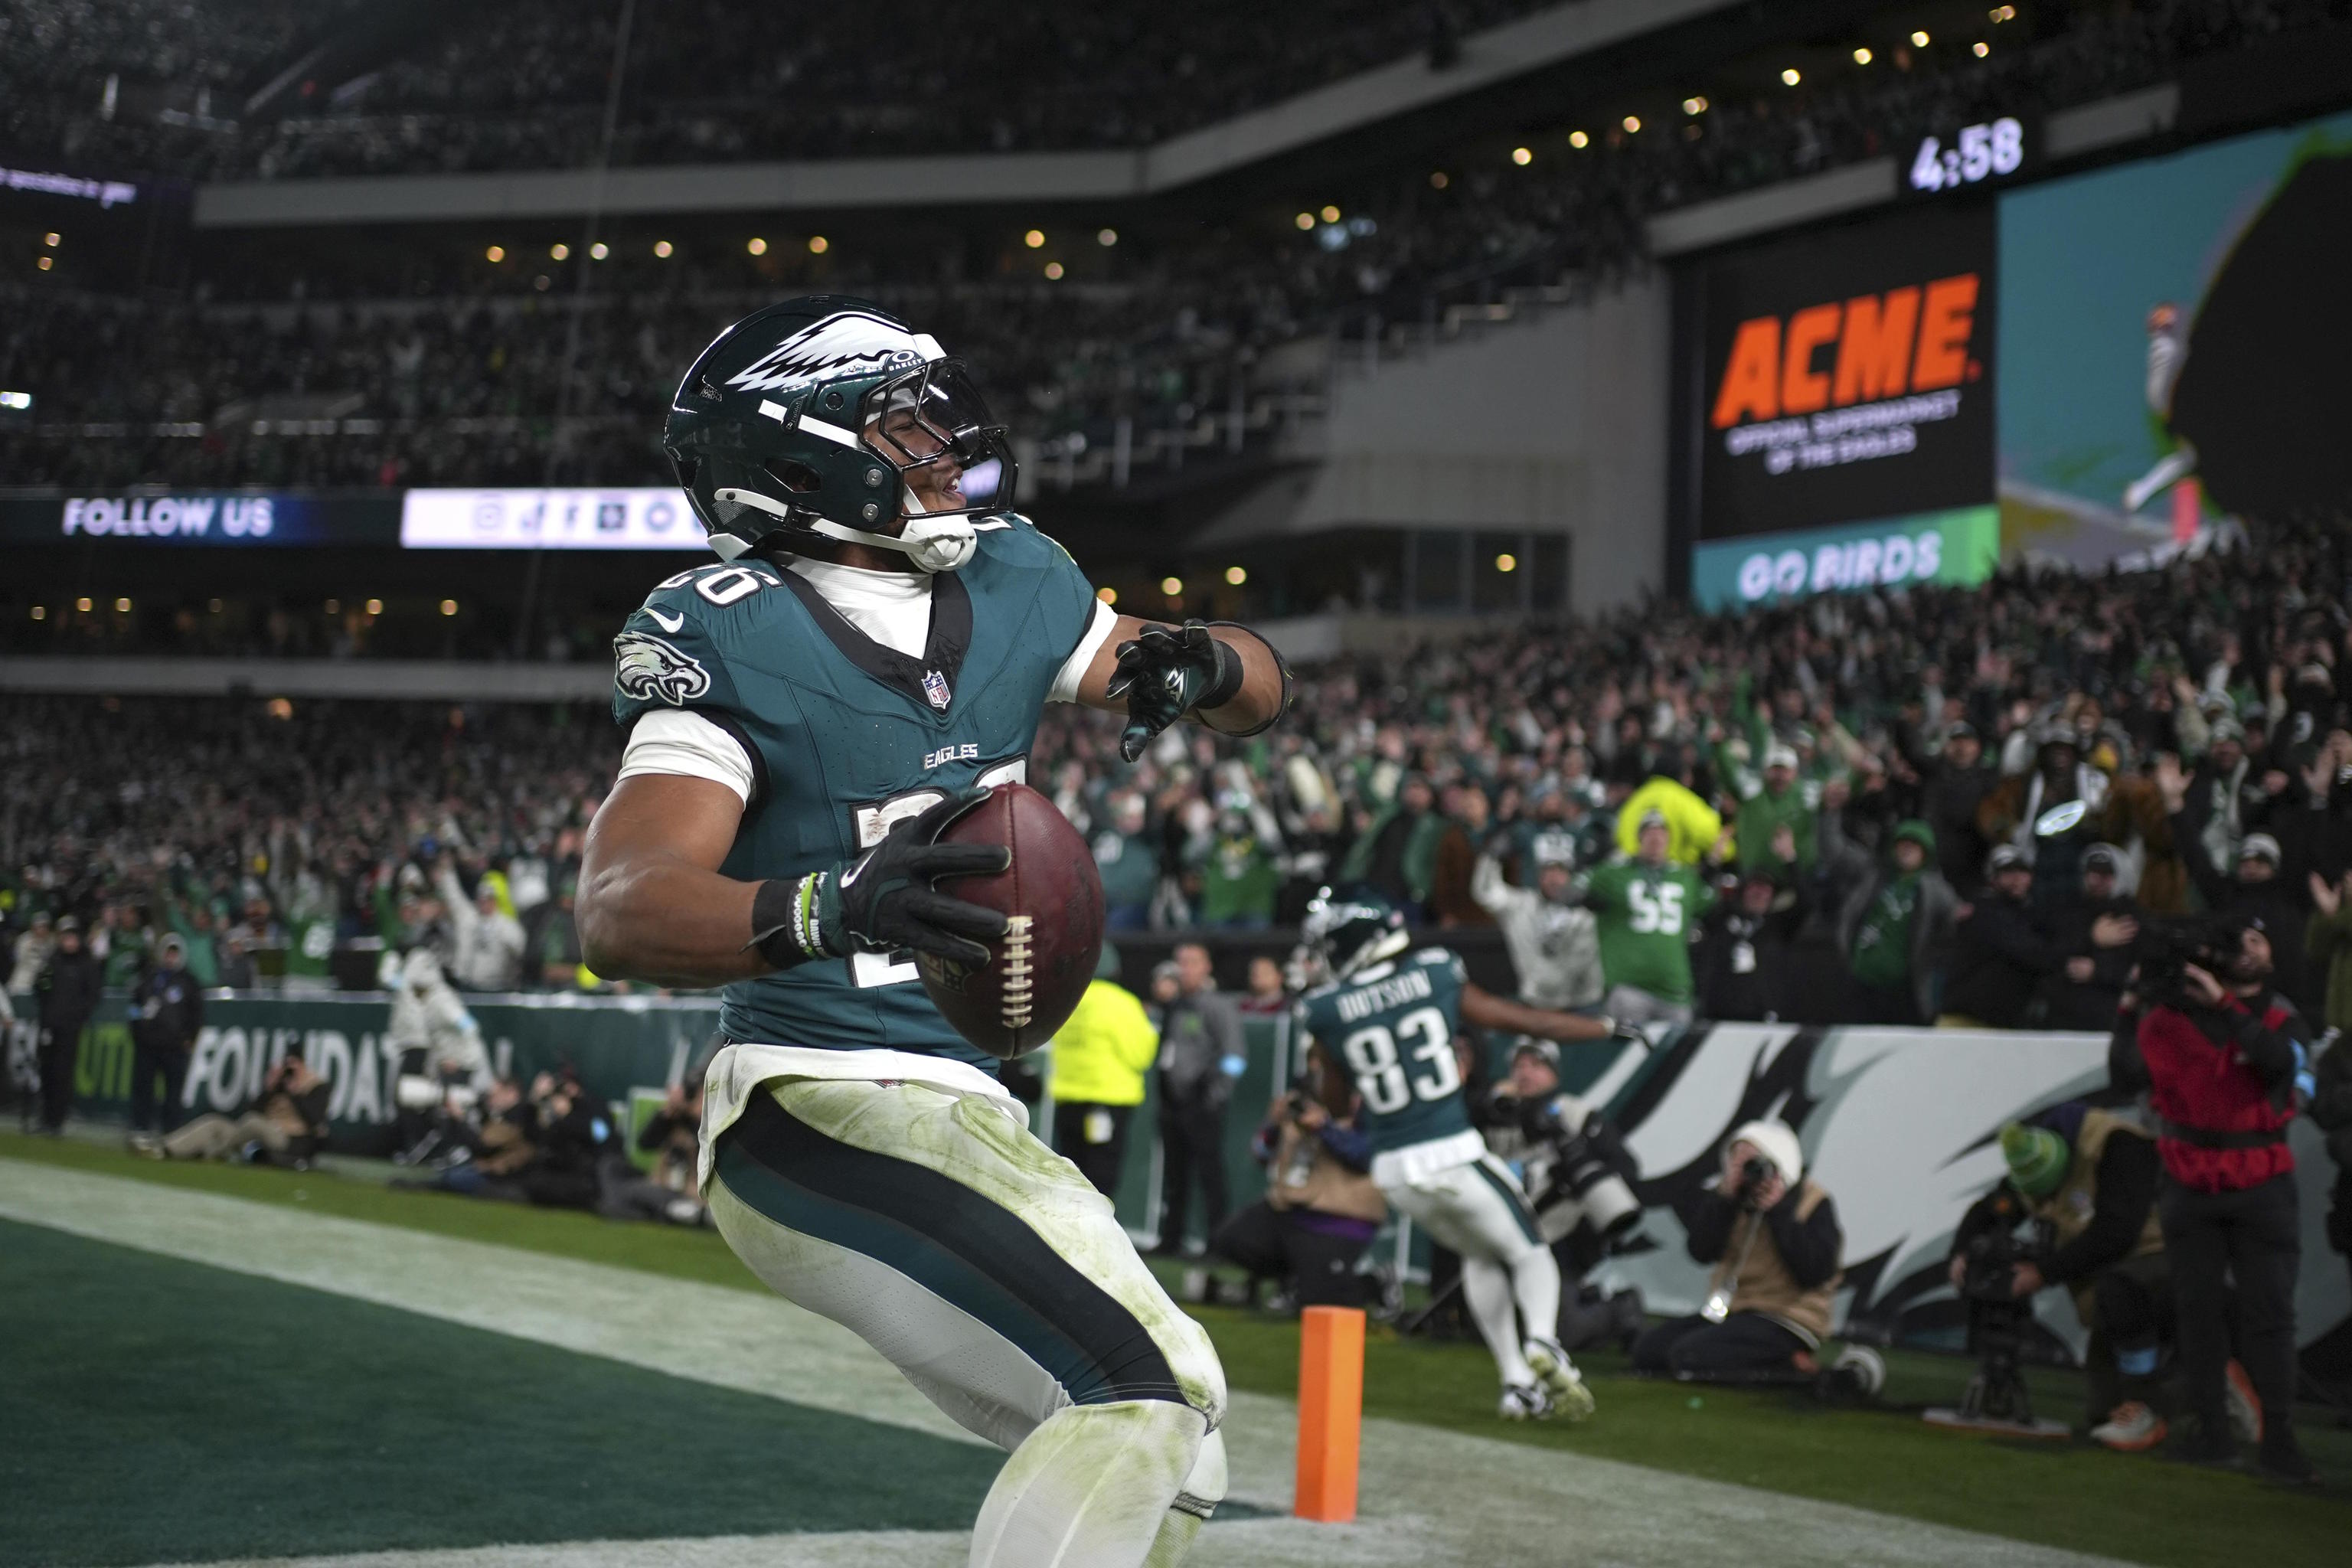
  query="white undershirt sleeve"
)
[
  {"x": 1065, "y": 684},
  {"x": 676, "y": 742}
]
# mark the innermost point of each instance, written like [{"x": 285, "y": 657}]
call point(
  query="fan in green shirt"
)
[{"x": 1645, "y": 908}]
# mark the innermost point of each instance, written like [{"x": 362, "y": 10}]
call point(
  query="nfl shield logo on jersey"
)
[{"x": 935, "y": 686}]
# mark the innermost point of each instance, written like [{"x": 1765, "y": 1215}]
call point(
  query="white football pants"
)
[
  {"x": 1478, "y": 1210},
  {"x": 991, "y": 1273}
]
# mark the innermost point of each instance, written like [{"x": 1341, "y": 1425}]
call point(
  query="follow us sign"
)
[
  {"x": 1952, "y": 547},
  {"x": 647, "y": 518}
]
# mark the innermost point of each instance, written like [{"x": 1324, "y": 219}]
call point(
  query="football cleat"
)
[
  {"x": 2130, "y": 1428},
  {"x": 1523, "y": 1402},
  {"x": 1561, "y": 1380}
]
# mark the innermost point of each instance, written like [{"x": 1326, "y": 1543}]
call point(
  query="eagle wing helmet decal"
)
[{"x": 846, "y": 340}]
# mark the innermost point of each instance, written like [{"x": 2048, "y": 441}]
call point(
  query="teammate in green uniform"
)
[
  {"x": 804, "y": 721},
  {"x": 1646, "y": 908},
  {"x": 1386, "y": 1018}
]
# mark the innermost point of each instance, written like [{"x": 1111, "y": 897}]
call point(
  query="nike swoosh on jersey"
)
[{"x": 668, "y": 623}]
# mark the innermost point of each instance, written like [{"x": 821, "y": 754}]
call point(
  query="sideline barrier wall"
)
[{"x": 1899, "y": 1125}]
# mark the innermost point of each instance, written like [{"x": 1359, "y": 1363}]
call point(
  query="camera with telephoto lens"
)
[
  {"x": 1588, "y": 1186},
  {"x": 1754, "y": 1172}
]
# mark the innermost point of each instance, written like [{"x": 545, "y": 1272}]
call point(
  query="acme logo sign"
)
[{"x": 1906, "y": 340}]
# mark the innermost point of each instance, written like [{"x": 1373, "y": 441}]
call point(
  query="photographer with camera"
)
[
  {"x": 1320, "y": 1210},
  {"x": 286, "y": 1122},
  {"x": 1773, "y": 1239},
  {"x": 1579, "y": 1175},
  {"x": 2228, "y": 1068},
  {"x": 2087, "y": 1179}
]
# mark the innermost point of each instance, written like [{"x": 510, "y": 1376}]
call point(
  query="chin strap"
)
[{"x": 932, "y": 545}]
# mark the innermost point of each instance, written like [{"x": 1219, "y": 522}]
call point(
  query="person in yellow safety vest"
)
[
  {"x": 1694, "y": 828},
  {"x": 1099, "y": 1059}
]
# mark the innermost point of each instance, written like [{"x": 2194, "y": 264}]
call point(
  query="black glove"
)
[
  {"x": 1166, "y": 672},
  {"x": 883, "y": 901}
]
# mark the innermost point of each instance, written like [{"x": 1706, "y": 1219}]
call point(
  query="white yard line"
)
[{"x": 1429, "y": 1497}]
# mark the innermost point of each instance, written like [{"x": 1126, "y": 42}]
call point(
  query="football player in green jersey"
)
[
  {"x": 804, "y": 719},
  {"x": 1385, "y": 1017}
]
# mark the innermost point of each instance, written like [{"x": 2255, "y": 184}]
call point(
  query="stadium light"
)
[
  {"x": 1303, "y": 221},
  {"x": 1981, "y": 48},
  {"x": 375, "y": 607},
  {"x": 334, "y": 607},
  {"x": 1791, "y": 76},
  {"x": 757, "y": 246},
  {"x": 1237, "y": 576},
  {"x": 819, "y": 245},
  {"x": 1632, "y": 123},
  {"x": 1034, "y": 239},
  {"x": 543, "y": 282},
  {"x": 663, "y": 248},
  {"x": 122, "y": 606},
  {"x": 1107, "y": 238},
  {"x": 40, "y": 612},
  {"x": 1694, "y": 106},
  {"x": 82, "y": 605},
  {"x": 1522, "y": 157},
  {"x": 559, "y": 251},
  {"x": 47, "y": 262},
  {"x": 2003, "y": 13},
  {"x": 1919, "y": 40},
  {"x": 52, "y": 240},
  {"x": 1108, "y": 595},
  {"x": 1861, "y": 57},
  {"x": 448, "y": 606},
  {"x": 1053, "y": 270},
  {"x": 1438, "y": 182},
  {"x": 1330, "y": 214},
  {"x": 598, "y": 251},
  {"x": 20, "y": 401},
  {"x": 1171, "y": 586},
  {"x": 215, "y": 607},
  {"x": 496, "y": 253},
  {"x": 1506, "y": 563}
]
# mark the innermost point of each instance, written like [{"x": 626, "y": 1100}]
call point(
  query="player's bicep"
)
[{"x": 662, "y": 817}]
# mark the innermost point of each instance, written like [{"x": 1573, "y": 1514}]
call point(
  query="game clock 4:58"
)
[{"x": 1975, "y": 155}]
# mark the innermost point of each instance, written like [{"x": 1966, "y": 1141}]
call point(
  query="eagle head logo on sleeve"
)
[{"x": 651, "y": 670}]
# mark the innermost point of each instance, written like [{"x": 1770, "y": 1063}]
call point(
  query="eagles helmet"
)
[
  {"x": 1345, "y": 931},
  {"x": 822, "y": 417}
]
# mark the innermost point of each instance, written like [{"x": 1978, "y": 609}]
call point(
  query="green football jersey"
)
[
  {"x": 1390, "y": 1027},
  {"x": 847, "y": 737},
  {"x": 1645, "y": 915}
]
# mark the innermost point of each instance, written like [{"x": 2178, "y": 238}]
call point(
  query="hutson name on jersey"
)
[{"x": 1380, "y": 995}]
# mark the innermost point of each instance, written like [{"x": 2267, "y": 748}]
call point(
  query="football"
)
[{"x": 1052, "y": 901}]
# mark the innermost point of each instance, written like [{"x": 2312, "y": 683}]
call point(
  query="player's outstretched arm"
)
[
  {"x": 652, "y": 904},
  {"x": 1221, "y": 675},
  {"x": 1488, "y": 1011}
]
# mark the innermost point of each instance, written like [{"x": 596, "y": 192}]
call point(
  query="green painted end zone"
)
[{"x": 158, "y": 1411}]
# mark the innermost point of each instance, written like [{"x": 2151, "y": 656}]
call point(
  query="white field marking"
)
[{"x": 1435, "y": 1496}]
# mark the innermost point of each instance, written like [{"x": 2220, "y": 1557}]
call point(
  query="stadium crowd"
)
[
  {"x": 488, "y": 383},
  {"x": 1969, "y": 796}
]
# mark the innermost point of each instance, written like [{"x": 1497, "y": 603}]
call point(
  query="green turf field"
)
[{"x": 2073, "y": 1496}]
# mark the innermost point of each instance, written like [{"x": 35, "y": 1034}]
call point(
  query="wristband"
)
[
  {"x": 1224, "y": 680},
  {"x": 785, "y": 924}
]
